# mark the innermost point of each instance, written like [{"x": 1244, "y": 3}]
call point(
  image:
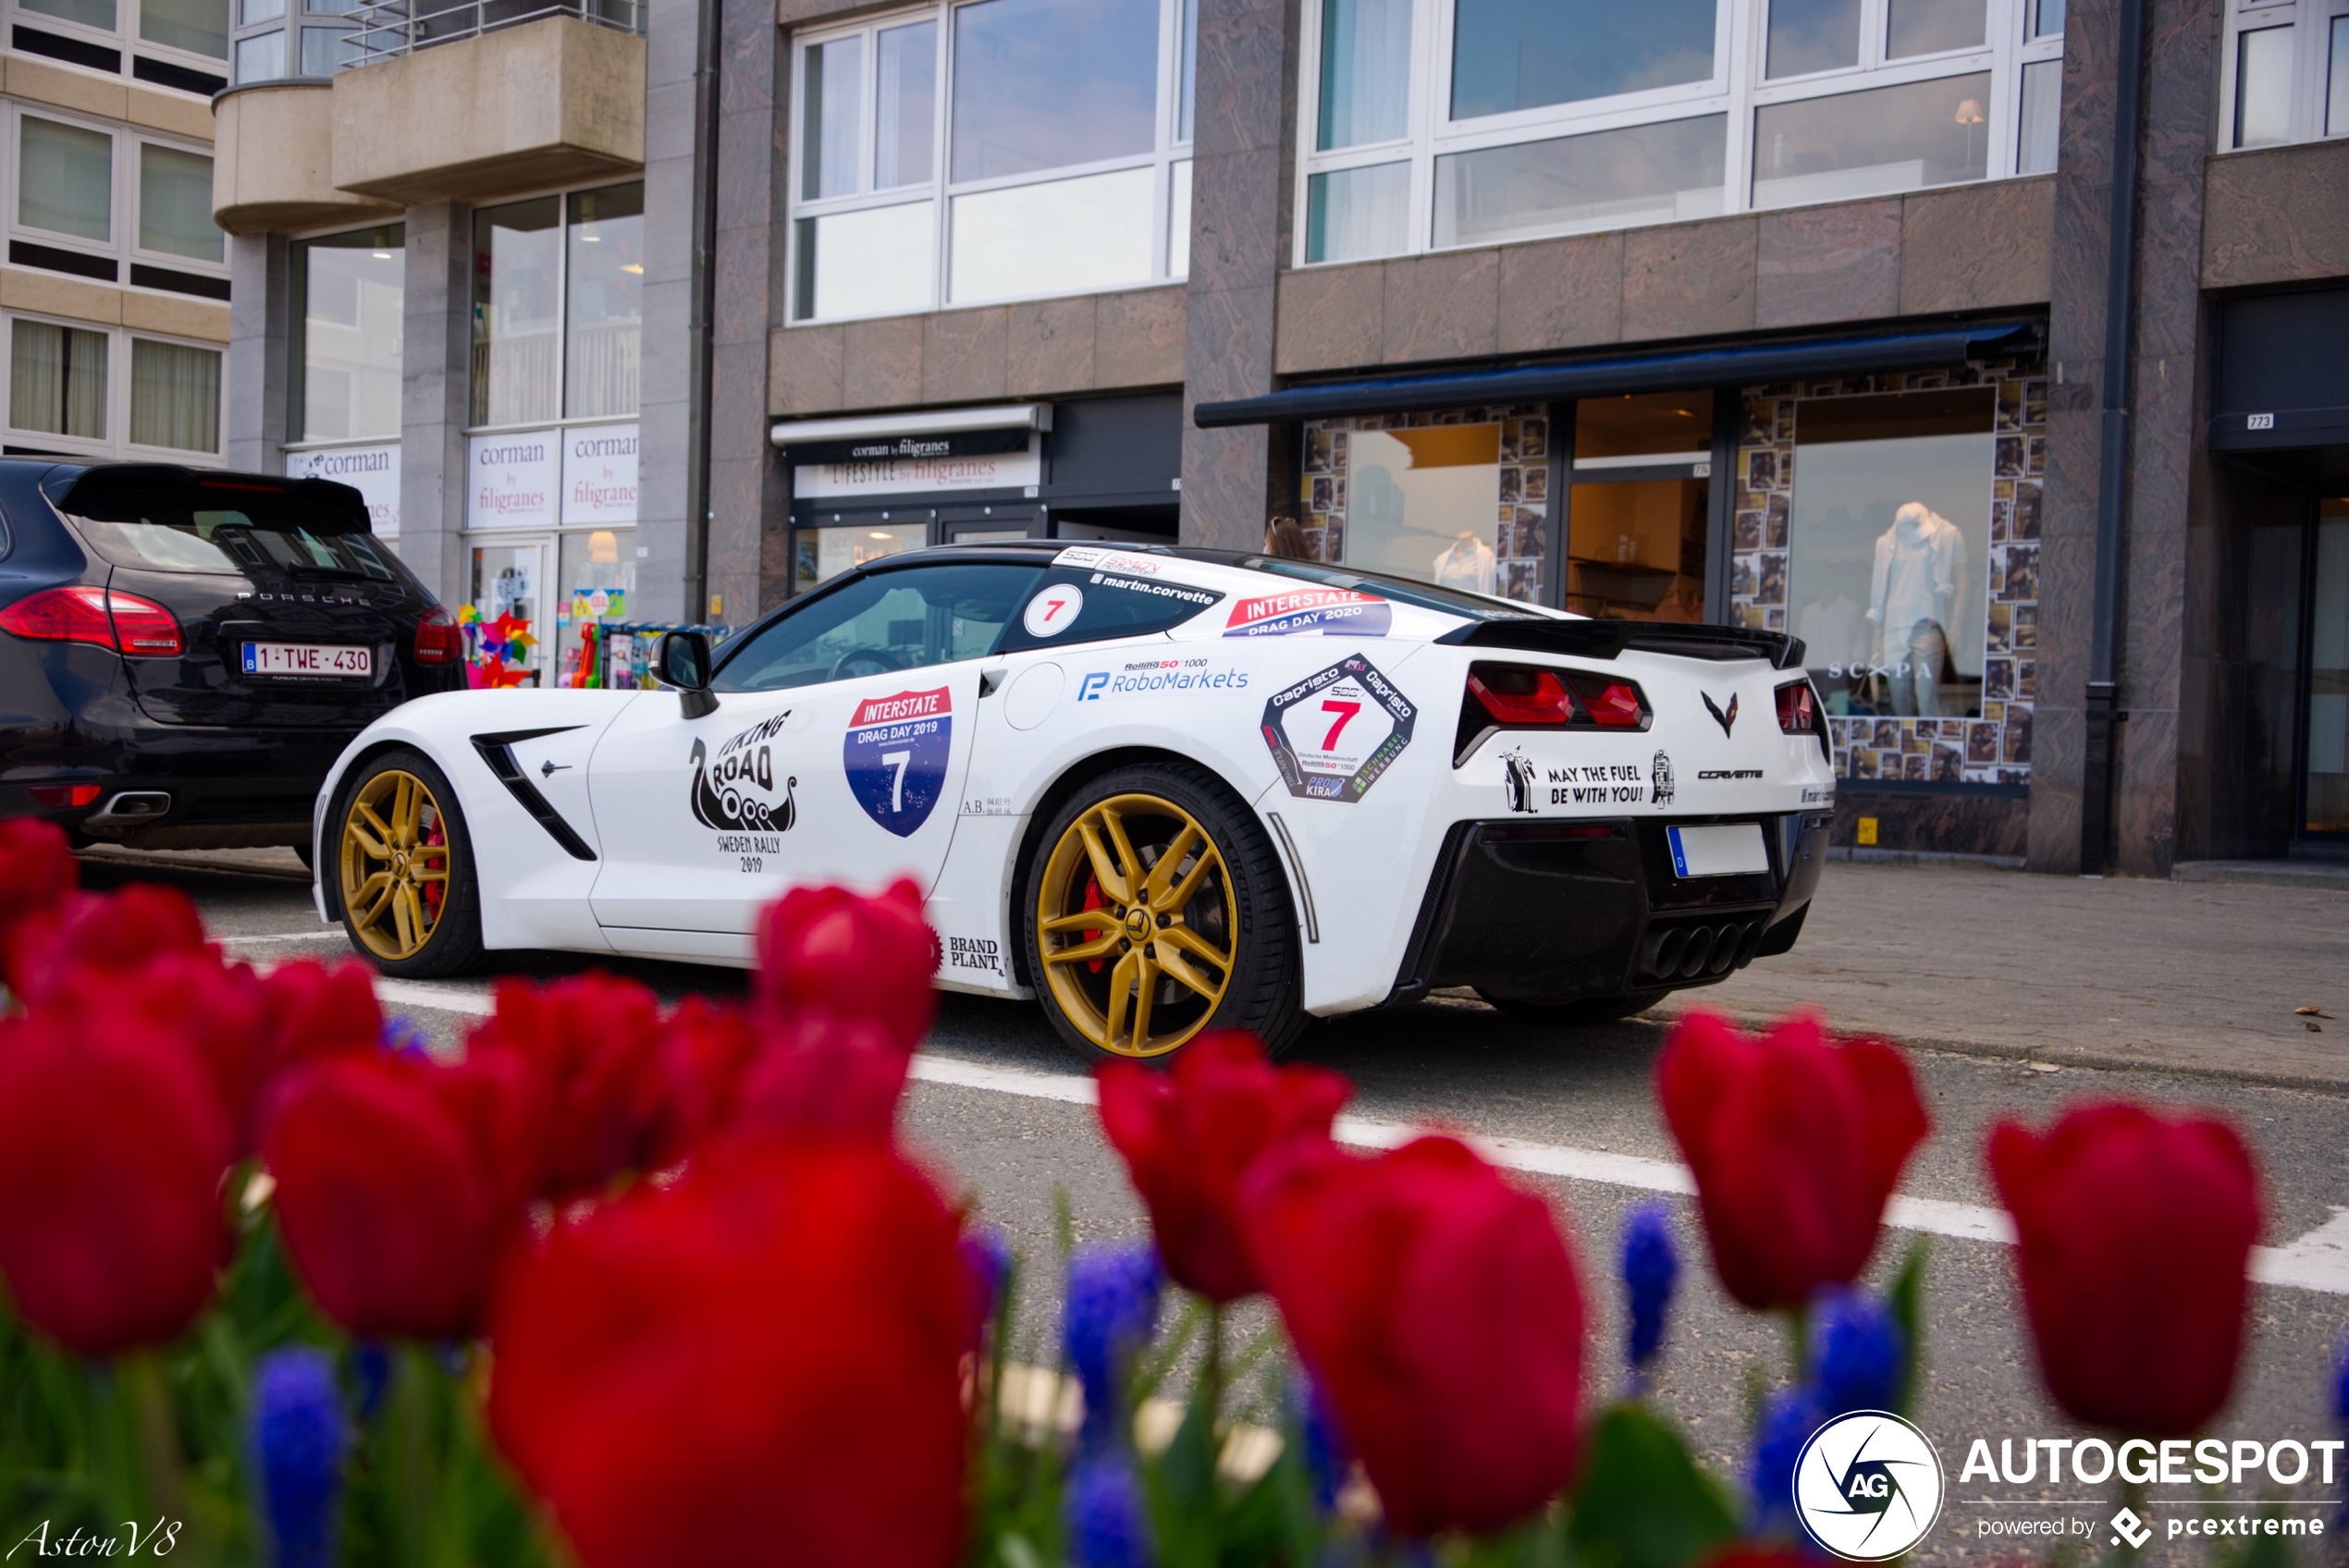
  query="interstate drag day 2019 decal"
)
[
  {"x": 896, "y": 753},
  {"x": 1336, "y": 731},
  {"x": 1327, "y": 611},
  {"x": 735, "y": 792}
]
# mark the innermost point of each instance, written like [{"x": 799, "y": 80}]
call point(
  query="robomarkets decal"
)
[
  {"x": 895, "y": 754},
  {"x": 1334, "y": 732}
]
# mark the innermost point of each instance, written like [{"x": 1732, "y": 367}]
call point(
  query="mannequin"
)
[
  {"x": 1468, "y": 563},
  {"x": 1910, "y": 597}
]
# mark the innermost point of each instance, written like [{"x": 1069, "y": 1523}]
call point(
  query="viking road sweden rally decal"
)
[
  {"x": 737, "y": 791},
  {"x": 1334, "y": 732},
  {"x": 1330, "y": 611},
  {"x": 895, "y": 754}
]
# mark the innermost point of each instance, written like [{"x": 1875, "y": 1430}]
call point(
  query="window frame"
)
[
  {"x": 558, "y": 420},
  {"x": 941, "y": 190},
  {"x": 1738, "y": 89},
  {"x": 2310, "y": 23},
  {"x": 123, "y": 199},
  {"x": 117, "y": 444},
  {"x": 287, "y": 24},
  {"x": 125, "y": 36},
  {"x": 296, "y": 337}
]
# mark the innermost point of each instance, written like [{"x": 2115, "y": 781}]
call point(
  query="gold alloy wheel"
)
[
  {"x": 395, "y": 865},
  {"x": 1135, "y": 918}
]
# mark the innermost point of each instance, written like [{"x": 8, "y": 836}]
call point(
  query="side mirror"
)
[{"x": 684, "y": 663}]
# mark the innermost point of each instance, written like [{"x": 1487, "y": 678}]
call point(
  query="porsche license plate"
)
[
  {"x": 1727, "y": 849},
  {"x": 310, "y": 658}
]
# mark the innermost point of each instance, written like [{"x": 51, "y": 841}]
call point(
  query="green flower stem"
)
[
  {"x": 1797, "y": 1320},
  {"x": 1212, "y": 1371}
]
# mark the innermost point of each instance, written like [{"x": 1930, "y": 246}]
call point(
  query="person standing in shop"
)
[{"x": 1285, "y": 540}]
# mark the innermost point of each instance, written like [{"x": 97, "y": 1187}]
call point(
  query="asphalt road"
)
[{"x": 1009, "y": 1129}]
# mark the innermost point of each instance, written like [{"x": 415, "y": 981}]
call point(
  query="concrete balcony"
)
[
  {"x": 272, "y": 161},
  {"x": 521, "y": 108}
]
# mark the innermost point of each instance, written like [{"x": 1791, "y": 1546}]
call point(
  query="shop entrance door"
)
[
  {"x": 509, "y": 632},
  {"x": 2324, "y": 811}
]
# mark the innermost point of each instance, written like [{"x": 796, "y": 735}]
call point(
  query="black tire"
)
[
  {"x": 303, "y": 852},
  {"x": 453, "y": 944},
  {"x": 1582, "y": 1014},
  {"x": 1263, "y": 990}
]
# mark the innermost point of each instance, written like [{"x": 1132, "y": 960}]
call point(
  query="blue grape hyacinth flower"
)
[
  {"x": 1789, "y": 1417},
  {"x": 2341, "y": 1386},
  {"x": 1321, "y": 1443},
  {"x": 1105, "y": 1516},
  {"x": 298, "y": 1438},
  {"x": 1109, "y": 1312},
  {"x": 1650, "y": 1269},
  {"x": 986, "y": 1252},
  {"x": 1857, "y": 1349}
]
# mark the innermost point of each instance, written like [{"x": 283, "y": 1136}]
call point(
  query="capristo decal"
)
[
  {"x": 895, "y": 754},
  {"x": 735, "y": 790},
  {"x": 1329, "y": 611},
  {"x": 1336, "y": 731}
]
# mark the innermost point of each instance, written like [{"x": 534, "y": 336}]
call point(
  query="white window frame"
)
[
  {"x": 562, "y": 312},
  {"x": 124, "y": 36},
  {"x": 122, "y": 246},
  {"x": 2311, "y": 24},
  {"x": 117, "y": 444},
  {"x": 1737, "y": 89},
  {"x": 941, "y": 188}
]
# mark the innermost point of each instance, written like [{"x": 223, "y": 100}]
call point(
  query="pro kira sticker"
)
[{"x": 1336, "y": 731}]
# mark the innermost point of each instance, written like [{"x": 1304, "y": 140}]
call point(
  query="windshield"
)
[
  {"x": 1402, "y": 590},
  {"x": 908, "y": 619}
]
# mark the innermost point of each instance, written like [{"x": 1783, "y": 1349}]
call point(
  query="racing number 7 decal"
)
[
  {"x": 1054, "y": 610},
  {"x": 1346, "y": 712},
  {"x": 896, "y": 761}
]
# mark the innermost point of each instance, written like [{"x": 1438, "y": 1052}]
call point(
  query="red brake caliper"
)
[
  {"x": 436, "y": 892},
  {"x": 1093, "y": 900}
]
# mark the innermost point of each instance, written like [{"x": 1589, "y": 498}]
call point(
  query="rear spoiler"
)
[{"x": 1606, "y": 639}]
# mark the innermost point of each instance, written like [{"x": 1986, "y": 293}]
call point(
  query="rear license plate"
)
[
  {"x": 1728, "y": 849},
  {"x": 309, "y": 659}
]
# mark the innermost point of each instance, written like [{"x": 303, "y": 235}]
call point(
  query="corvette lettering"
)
[
  {"x": 1335, "y": 732},
  {"x": 895, "y": 756},
  {"x": 1326, "y": 611}
]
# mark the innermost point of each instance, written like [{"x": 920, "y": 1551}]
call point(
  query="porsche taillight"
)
[
  {"x": 123, "y": 623},
  {"x": 438, "y": 639}
]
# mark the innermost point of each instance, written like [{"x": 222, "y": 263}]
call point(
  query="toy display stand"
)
[{"x": 618, "y": 655}]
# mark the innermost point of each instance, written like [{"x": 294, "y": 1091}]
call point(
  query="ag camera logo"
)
[{"x": 1867, "y": 1486}]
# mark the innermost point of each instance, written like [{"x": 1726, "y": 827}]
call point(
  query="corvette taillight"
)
[
  {"x": 1796, "y": 708},
  {"x": 438, "y": 639},
  {"x": 123, "y": 623},
  {"x": 1521, "y": 696}
]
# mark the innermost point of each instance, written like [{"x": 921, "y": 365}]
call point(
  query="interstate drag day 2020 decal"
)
[
  {"x": 1336, "y": 731},
  {"x": 1329, "y": 612},
  {"x": 735, "y": 792},
  {"x": 895, "y": 754}
]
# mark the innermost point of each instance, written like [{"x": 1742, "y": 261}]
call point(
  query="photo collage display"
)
[{"x": 1503, "y": 462}]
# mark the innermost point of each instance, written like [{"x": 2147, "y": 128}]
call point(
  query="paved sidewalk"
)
[{"x": 2196, "y": 976}]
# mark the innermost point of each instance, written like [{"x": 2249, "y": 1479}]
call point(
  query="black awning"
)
[{"x": 1662, "y": 371}]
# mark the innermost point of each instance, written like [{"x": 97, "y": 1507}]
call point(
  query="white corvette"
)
[{"x": 1156, "y": 789}]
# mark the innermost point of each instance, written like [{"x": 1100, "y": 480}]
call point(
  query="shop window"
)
[
  {"x": 348, "y": 298},
  {"x": 1513, "y": 54},
  {"x": 1055, "y": 163},
  {"x": 1459, "y": 498},
  {"x": 1442, "y": 123},
  {"x": 558, "y": 307},
  {"x": 2284, "y": 76},
  {"x": 1892, "y": 523},
  {"x": 1638, "y": 506},
  {"x": 822, "y": 554},
  {"x": 175, "y": 396},
  {"x": 58, "y": 380},
  {"x": 596, "y": 584},
  {"x": 65, "y": 179},
  {"x": 175, "y": 204}
]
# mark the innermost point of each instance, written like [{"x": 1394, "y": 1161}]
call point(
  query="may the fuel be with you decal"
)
[
  {"x": 895, "y": 754},
  {"x": 1334, "y": 732}
]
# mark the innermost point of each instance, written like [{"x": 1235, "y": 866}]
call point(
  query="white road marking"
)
[
  {"x": 2318, "y": 1261},
  {"x": 324, "y": 933}
]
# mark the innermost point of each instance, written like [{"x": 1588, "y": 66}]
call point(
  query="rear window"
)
[{"x": 164, "y": 520}]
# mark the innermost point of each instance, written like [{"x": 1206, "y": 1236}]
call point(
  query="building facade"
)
[{"x": 1996, "y": 349}]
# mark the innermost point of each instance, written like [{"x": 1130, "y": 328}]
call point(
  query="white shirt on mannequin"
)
[
  {"x": 1468, "y": 564},
  {"x": 1917, "y": 574}
]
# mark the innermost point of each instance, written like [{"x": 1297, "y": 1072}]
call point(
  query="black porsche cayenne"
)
[{"x": 183, "y": 653}]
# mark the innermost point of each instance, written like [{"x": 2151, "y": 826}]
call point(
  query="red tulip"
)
[
  {"x": 1796, "y": 1145},
  {"x": 850, "y": 956},
  {"x": 2135, "y": 1229},
  {"x": 1188, "y": 1136},
  {"x": 594, "y": 1041},
  {"x": 1438, "y": 1306},
  {"x": 317, "y": 1010},
  {"x": 112, "y": 1150},
  {"x": 110, "y": 932},
  {"x": 37, "y": 868},
  {"x": 701, "y": 1053},
  {"x": 757, "y": 1365},
  {"x": 218, "y": 1007},
  {"x": 823, "y": 1077},
  {"x": 398, "y": 1182}
]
